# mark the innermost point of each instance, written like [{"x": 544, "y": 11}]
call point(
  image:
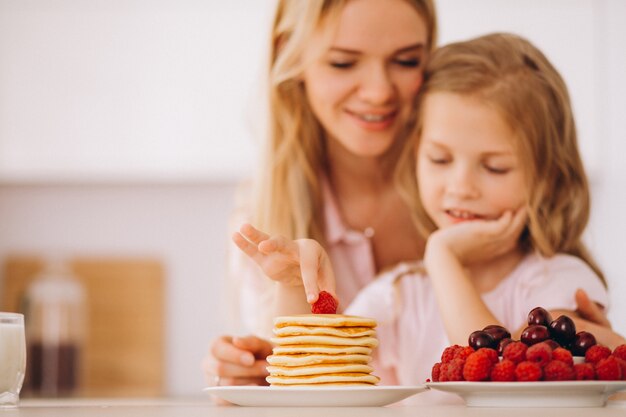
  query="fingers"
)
[
  {"x": 278, "y": 244},
  {"x": 590, "y": 310},
  {"x": 253, "y": 234},
  {"x": 310, "y": 254},
  {"x": 237, "y": 359},
  {"x": 259, "y": 348}
]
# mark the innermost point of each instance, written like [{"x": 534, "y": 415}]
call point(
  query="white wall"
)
[{"x": 124, "y": 125}]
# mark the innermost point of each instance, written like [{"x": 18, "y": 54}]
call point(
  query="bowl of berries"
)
[{"x": 551, "y": 365}]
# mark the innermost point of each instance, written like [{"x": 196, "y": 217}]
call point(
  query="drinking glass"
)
[{"x": 12, "y": 358}]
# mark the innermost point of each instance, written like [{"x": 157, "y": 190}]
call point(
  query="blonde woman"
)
[{"x": 343, "y": 79}]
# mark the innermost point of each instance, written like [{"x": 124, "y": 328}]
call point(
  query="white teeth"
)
[
  {"x": 373, "y": 117},
  {"x": 461, "y": 214}
]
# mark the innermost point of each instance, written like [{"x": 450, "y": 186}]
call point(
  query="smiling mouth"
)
[
  {"x": 463, "y": 215},
  {"x": 374, "y": 117}
]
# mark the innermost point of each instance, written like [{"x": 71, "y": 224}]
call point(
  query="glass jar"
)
[{"x": 55, "y": 324}]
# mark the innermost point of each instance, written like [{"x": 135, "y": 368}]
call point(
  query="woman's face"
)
[
  {"x": 467, "y": 167},
  {"x": 362, "y": 86}
]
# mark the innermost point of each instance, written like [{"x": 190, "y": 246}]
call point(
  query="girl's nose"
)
[
  {"x": 462, "y": 183},
  {"x": 376, "y": 87}
]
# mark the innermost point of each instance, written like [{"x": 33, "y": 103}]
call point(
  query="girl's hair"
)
[
  {"x": 509, "y": 74},
  {"x": 289, "y": 193}
]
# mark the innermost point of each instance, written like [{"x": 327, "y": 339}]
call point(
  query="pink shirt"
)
[
  {"x": 410, "y": 330},
  {"x": 350, "y": 252}
]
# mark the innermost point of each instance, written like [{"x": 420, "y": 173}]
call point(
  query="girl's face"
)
[
  {"x": 362, "y": 86},
  {"x": 467, "y": 167}
]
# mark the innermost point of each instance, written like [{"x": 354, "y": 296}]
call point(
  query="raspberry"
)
[
  {"x": 436, "y": 372},
  {"x": 558, "y": 371},
  {"x": 541, "y": 354},
  {"x": 622, "y": 364},
  {"x": 492, "y": 354},
  {"x": 515, "y": 352},
  {"x": 449, "y": 353},
  {"x": 455, "y": 370},
  {"x": 325, "y": 304},
  {"x": 503, "y": 371},
  {"x": 528, "y": 371},
  {"x": 584, "y": 372},
  {"x": 563, "y": 355},
  {"x": 608, "y": 369},
  {"x": 597, "y": 352},
  {"x": 443, "y": 372},
  {"x": 463, "y": 353},
  {"x": 477, "y": 367},
  {"x": 620, "y": 352}
]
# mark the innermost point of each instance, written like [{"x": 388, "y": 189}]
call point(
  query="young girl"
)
[{"x": 495, "y": 136}]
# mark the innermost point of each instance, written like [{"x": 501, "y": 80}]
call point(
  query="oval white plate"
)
[
  {"x": 255, "y": 396},
  {"x": 532, "y": 394}
]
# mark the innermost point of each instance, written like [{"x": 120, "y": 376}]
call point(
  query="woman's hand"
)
[
  {"x": 290, "y": 262},
  {"x": 237, "y": 361},
  {"x": 592, "y": 319}
]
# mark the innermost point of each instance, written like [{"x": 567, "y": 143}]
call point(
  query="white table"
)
[{"x": 197, "y": 407}]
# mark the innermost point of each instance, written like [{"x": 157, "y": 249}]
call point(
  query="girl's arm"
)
[{"x": 448, "y": 251}]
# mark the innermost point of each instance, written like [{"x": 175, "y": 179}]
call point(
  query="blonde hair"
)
[
  {"x": 509, "y": 74},
  {"x": 288, "y": 199}
]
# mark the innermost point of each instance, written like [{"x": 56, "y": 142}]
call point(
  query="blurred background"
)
[{"x": 126, "y": 125}]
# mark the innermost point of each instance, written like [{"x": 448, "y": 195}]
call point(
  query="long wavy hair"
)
[
  {"x": 512, "y": 76},
  {"x": 288, "y": 192}
]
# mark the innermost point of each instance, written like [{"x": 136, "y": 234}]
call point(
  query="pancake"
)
[
  {"x": 300, "y": 359},
  {"x": 325, "y": 340},
  {"x": 323, "y": 330},
  {"x": 335, "y": 368},
  {"x": 326, "y": 378},
  {"x": 326, "y": 320},
  {"x": 323, "y": 349}
]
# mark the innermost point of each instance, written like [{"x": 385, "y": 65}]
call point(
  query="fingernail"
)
[
  {"x": 310, "y": 298},
  {"x": 247, "y": 359}
]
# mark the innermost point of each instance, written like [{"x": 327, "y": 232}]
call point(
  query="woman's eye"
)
[
  {"x": 410, "y": 63},
  {"x": 438, "y": 161},
  {"x": 341, "y": 65}
]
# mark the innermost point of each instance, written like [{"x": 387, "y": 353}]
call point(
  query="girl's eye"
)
[
  {"x": 496, "y": 170},
  {"x": 410, "y": 63},
  {"x": 341, "y": 64}
]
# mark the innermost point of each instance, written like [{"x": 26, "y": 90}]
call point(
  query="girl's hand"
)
[
  {"x": 480, "y": 240},
  {"x": 290, "y": 262}
]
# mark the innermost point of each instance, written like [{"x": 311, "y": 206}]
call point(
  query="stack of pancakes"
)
[{"x": 322, "y": 349}]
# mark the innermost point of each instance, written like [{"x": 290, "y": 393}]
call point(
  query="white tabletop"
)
[{"x": 196, "y": 407}]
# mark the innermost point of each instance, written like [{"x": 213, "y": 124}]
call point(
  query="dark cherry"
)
[
  {"x": 534, "y": 334},
  {"x": 503, "y": 343},
  {"x": 563, "y": 330},
  {"x": 582, "y": 342},
  {"x": 480, "y": 339},
  {"x": 539, "y": 315},
  {"x": 497, "y": 332}
]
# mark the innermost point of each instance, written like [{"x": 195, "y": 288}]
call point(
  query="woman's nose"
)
[{"x": 376, "y": 85}]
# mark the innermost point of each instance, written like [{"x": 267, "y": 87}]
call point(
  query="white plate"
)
[
  {"x": 532, "y": 394},
  {"x": 255, "y": 396}
]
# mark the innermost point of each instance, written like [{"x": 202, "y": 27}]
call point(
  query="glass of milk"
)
[{"x": 12, "y": 358}]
